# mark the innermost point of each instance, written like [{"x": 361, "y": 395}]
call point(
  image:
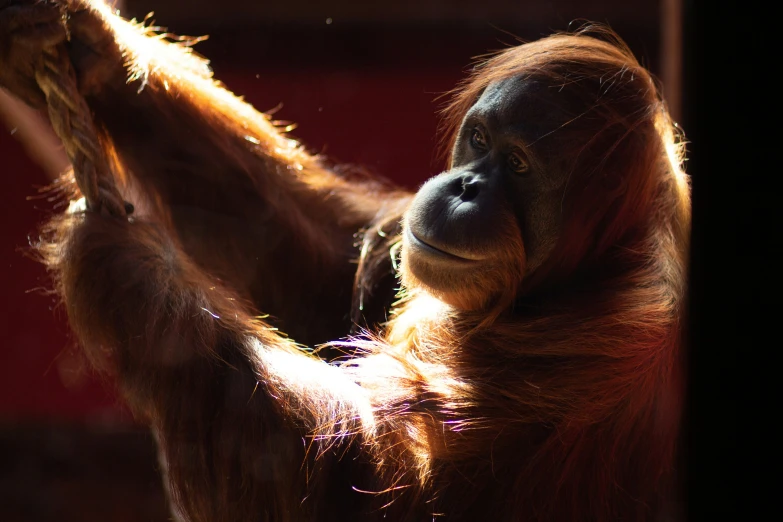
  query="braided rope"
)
[{"x": 72, "y": 121}]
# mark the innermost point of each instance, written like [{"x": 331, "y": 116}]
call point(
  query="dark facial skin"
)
[{"x": 506, "y": 168}]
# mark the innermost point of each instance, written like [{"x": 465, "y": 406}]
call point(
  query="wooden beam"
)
[
  {"x": 671, "y": 55},
  {"x": 34, "y": 133}
]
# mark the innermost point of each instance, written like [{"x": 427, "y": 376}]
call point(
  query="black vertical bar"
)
[{"x": 710, "y": 69}]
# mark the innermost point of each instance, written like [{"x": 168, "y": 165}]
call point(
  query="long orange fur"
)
[{"x": 559, "y": 402}]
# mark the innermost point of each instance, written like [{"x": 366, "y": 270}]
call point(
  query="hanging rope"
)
[{"x": 72, "y": 121}]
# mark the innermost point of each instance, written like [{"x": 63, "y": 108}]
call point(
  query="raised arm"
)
[
  {"x": 234, "y": 402},
  {"x": 246, "y": 202}
]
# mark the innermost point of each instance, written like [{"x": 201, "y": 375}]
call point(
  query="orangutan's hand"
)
[{"x": 27, "y": 27}]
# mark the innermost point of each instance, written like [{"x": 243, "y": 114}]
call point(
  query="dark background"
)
[{"x": 362, "y": 80}]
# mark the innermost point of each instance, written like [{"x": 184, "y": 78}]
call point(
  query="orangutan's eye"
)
[
  {"x": 477, "y": 139},
  {"x": 516, "y": 163}
]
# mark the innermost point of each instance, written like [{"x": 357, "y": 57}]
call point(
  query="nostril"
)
[
  {"x": 470, "y": 188},
  {"x": 456, "y": 186}
]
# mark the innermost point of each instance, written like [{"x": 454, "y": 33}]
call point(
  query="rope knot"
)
[{"x": 72, "y": 122}]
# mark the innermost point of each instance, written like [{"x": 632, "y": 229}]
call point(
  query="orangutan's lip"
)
[{"x": 434, "y": 251}]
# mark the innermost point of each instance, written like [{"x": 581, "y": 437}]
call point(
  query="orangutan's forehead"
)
[{"x": 524, "y": 105}]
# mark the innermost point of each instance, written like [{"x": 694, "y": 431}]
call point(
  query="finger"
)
[
  {"x": 40, "y": 36},
  {"x": 88, "y": 27},
  {"x": 18, "y": 17}
]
